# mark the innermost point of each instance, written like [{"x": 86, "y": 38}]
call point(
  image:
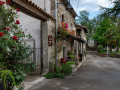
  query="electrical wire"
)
[{"x": 77, "y": 5}]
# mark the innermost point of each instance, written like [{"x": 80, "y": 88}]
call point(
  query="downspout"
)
[
  {"x": 41, "y": 48},
  {"x": 45, "y": 5},
  {"x": 56, "y": 32}
]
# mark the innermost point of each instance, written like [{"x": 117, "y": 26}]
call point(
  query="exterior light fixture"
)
[{"x": 69, "y": 7}]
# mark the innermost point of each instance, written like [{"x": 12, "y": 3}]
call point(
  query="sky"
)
[{"x": 92, "y": 6}]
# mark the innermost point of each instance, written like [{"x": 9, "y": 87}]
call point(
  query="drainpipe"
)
[
  {"x": 41, "y": 48},
  {"x": 56, "y": 32},
  {"x": 45, "y": 5}
]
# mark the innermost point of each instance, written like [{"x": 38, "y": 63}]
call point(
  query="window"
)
[
  {"x": 71, "y": 25},
  {"x": 64, "y": 52},
  {"x": 62, "y": 18}
]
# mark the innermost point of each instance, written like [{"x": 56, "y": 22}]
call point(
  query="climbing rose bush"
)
[
  {"x": 64, "y": 32},
  {"x": 13, "y": 51}
]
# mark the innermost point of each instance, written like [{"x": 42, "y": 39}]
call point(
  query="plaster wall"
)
[{"x": 44, "y": 4}]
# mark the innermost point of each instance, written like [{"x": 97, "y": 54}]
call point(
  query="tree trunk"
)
[
  {"x": 110, "y": 47},
  {"x": 117, "y": 46}
]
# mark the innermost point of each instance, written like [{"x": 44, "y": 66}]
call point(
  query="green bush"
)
[
  {"x": 49, "y": 75},
  {"x": 66, "y": 69},
  {"x": 70, "y": 62},
  {"x": 60, "y": 72},
  {"x": 71, "y": 55},
  {"x": 100, "y": 49},
  {"x": 58, "y": 75}
]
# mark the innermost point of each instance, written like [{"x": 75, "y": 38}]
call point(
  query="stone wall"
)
[
  {"x": 68, "y": 18},
  {"x": 83, "y": 34}
]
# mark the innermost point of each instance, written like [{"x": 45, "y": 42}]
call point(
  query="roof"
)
[
  {"x": 75, "y": 37},
  {"x": 79, "y": 27},
  {"x": 32, "y": 5},
  {"x": 72, "y": 9}
]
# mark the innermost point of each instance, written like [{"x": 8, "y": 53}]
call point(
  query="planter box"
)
[{"x": 73, "y": 67}]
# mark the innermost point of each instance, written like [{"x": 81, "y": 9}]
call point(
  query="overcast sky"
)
[{"x": 90, "y": 5}]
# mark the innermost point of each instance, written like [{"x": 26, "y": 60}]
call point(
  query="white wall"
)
[
  {"x": 44, "y": 4},
  {"x": 31, "y": 26}
]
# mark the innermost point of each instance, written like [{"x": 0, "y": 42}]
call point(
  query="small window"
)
[
  {"x": 71, "y": 25},
  {"x": 64, "y": 51},
  {"x": 62, "y": 18}
]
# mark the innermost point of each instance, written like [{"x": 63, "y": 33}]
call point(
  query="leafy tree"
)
[
  {"x": 83, "y": 18},
  {"x": 114, "y": 13},
  {"x": 106, "y": 33}
]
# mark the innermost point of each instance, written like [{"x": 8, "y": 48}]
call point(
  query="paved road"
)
[{"x": 96, "y": 73}]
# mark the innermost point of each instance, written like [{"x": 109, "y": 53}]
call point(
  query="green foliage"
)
[
  {"x": 14, "y": 53},
  {"x": 59, "y": 72},
  {"x": 71, "y": 55},
  {"x": 83, "y": 18},
  {"x": 105, "y": 32},
  {"x": 58, "y": 75},
  {"x": 66, "y": 69},
  {"x": 7, "y": 75},
  {"x": 70, "y": 62},
  {"x": 49, "y": 75},
  {"x": 101, "y": 49}
]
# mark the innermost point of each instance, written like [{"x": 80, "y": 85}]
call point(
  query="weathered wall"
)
[
  {"x": 44, "y": 4},
  {"x": 32, "y": 26},
  {"x": 51, "y": 49},
  {"x": 83, "y": 34},
  {"x": 68, "y": 18}
]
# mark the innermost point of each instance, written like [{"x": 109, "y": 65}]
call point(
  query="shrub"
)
[
  {"x": 71, "y": 55},
  {"x": 49, "y": 75},
  {"x": 13, "y": 51},
  {"x": 66, "y": 69},
  {"x": 58, "y": 75},
  {"x": 100, "y": 48},
  {"x": 70, "y": 62}
]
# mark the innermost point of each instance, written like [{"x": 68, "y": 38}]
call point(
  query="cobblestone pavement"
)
[{"x": 96, "y": 73}]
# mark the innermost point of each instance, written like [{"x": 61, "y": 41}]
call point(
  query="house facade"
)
[
  {"x": 37, "y": 18},
  {"x": 73, "y": 43}
]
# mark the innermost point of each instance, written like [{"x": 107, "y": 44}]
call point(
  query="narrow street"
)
[{"x": 96, "y": 73}]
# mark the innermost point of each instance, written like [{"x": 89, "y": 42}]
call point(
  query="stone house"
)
[
  {"x": 81, "y": 32},
  {"x": 66, "y": 15},
  {"x": 36, "y": 20}
]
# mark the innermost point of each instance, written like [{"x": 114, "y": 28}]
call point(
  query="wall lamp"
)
[{"x": 69, "y": 7}]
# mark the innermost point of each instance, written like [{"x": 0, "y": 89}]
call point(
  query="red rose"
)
[
  {"x": 4, "y": 28},
  {"x": 1, "y": 34},
  {"x": 8, "y": 1},
  {"x": 18, "y": 9},
  {"x": 58, "y": 45},
  {"x": 14, "y": 38},
  {"x": 8, "y": 29},
  {"x": 17, "y": 22},
  {"x": 1, "y": 3}
]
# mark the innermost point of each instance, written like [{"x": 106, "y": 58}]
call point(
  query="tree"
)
[
  {"x": 83, "y": 18},
  {"x": 105, "y": 33},
  {"x": 114, "y": 13}
]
